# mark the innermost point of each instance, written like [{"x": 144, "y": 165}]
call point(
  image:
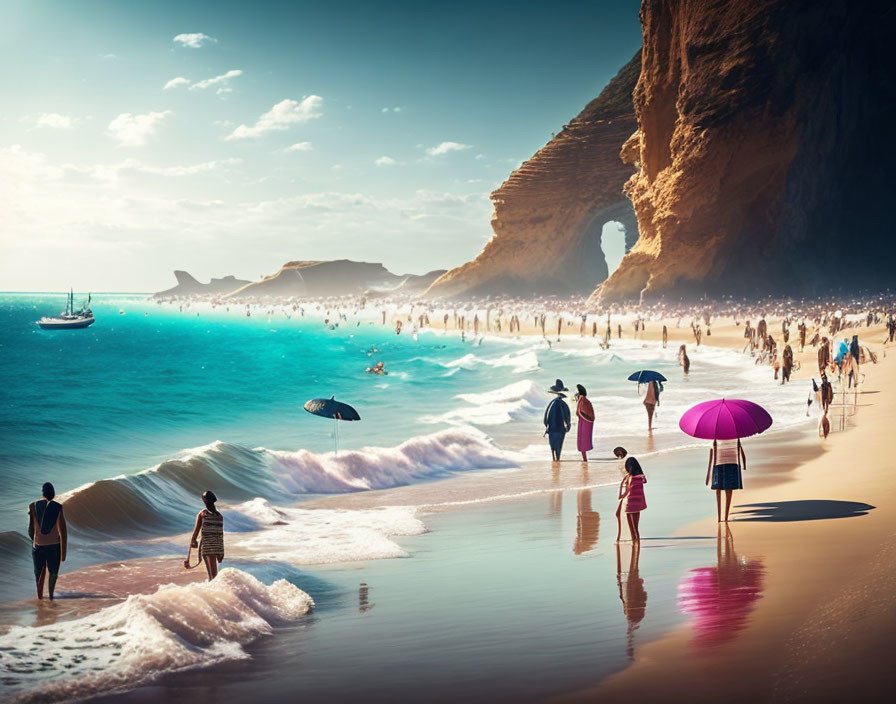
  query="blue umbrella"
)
[
  {"x": 331, "y": 408},
  {"x": 645, "y": 375}
]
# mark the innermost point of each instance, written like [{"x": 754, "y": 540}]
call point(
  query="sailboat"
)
[{"x": 70, "y": 318}]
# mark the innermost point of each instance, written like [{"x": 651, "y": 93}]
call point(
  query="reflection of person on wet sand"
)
[
  {"x": 721, "y": 598},
  {"x": 824, "y": 425},
  {"x": 633, "y": 595},
  {"x": 587, "y": 524}
]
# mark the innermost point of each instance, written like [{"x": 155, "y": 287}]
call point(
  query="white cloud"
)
[
  {"x": 53, "y": 120},
  {"x": 132, "y": 165},
  {"x": 134, "y": 130},
  {"x": 479, "y": 157},
  {"x": 395, "y": 109},
  {"x": 194, "y": 40},
  {"x": 175, "y": 82},
  {"x": 221, "y": 80},
  {"x": 385, "y": 161},
  {"x": 299, "y": 147},
  {"x": 281, "y": 117},
  {"x": 124, "y": 226},
  {"x": 446, "y": 147}
]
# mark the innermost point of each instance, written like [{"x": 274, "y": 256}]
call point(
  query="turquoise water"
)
[{"x": 134, "y": 390}]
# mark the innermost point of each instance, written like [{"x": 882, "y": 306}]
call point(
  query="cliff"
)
[
  {"x": 187, "y": 285},
  {"x": 763, "y": 149},
  {"x": 549, "y": 213}
]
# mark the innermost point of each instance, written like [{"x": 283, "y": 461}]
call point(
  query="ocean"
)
[{"x": 134, "y": 417}]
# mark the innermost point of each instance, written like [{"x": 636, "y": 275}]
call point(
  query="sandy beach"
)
[{"x": 824, "y": 622}]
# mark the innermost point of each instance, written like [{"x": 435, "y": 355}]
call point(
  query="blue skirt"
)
[{"x": 726, "y": 477}]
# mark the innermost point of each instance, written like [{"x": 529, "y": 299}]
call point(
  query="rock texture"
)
[
  {"x": 763, "y": 149},
  {"x": 187, "y": 285},
  {"x": 549, "y": 214}
]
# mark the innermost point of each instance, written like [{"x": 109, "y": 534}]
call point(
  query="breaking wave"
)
[
  {"x": 160, "y": 500},
  {"x": 122, "y": 646}
]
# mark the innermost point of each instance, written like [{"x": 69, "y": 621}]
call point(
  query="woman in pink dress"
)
[
  {"x": 632, "y": 490},
  {"x": 585, "y": 414}
]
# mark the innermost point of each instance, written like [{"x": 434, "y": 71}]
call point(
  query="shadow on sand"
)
[{"x": 808, "y": 510}]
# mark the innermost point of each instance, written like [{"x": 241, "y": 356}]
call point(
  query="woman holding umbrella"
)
[
  {"x": 725, "y": 422},
  {"x": 654, "y": 388},
  {"x": 726, "y": 462}
]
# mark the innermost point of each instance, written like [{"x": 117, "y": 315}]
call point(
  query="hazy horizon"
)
[{"x": 222, "y": 139}]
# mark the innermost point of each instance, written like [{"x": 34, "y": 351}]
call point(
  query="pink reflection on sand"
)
[{"x": 721, "y": 598}]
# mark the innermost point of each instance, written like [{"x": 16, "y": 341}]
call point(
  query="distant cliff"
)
[
  {"x": 764, "y": 149},
  {"x": 550, "y": 212},
  {"x": 341, "y": 277},
  {"x": 187, "y": 285}
]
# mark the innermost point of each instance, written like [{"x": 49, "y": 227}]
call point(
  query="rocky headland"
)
[
  {"x": 550, "y": 212},
  {"x": 762, "y": 149},
  {"x": 187, "y": 285},
  {"x": 309, "y": 279}
]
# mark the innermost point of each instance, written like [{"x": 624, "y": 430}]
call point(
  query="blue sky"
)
[{"x": 227, "y": 138}]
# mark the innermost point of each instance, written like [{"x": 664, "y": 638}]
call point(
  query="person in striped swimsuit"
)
[{"x": 210, "y": 523}]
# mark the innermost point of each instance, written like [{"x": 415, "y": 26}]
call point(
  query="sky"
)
[{"x": 230, "y": 137}]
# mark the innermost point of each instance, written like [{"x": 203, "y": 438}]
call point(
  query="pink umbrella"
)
[{"x": 725, "y": 419}]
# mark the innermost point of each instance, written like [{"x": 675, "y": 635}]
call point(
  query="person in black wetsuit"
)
[{"x": 49, "y": 539}]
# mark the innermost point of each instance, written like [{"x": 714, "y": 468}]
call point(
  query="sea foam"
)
[{"x": 122, "y": 646}]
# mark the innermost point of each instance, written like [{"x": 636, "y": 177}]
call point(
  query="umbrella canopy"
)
[
  {"x": 725, "y": 419},
  {"x": 645, "y": 375},
  {"x": 330, "y": 408}
]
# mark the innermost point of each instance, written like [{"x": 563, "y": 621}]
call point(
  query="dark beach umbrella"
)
[
  {"x": 645, "y": 375},
  {"x": 331, "y": 408}
]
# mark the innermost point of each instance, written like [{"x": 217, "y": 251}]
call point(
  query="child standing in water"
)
[
  {"x": 632, "y": 490},
  {"x": 211, "y": 524}
]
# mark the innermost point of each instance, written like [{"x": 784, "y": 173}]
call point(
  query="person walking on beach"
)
[
  {"x": 210, "y": 523},
  {"x": 827, "y": 393},
  {"x": 651, "y": 401},
  {"x": 631, "y": 489},
  {"x": 585, "y": 414},
  {"x": 824, "y": 355},
  {"x": 683, "y": 360},
  {"x": 788, "y": 364},
  {"x": 557, "y": 420},
  {"x": 620, "y": 454},
  {"x": 726, "y": 461},
  {"x": 49, "y": 539},
  {"x": 665, "y": 336}
]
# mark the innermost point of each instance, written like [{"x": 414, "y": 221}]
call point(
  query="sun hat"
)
[{"x": 557, "y": 387}]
